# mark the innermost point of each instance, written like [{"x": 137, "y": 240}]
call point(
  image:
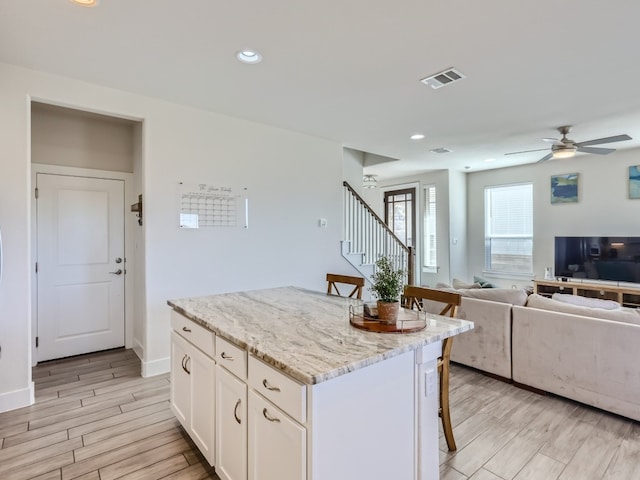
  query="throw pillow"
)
[
  {"x": 586, "y": 301},
  {"x": 624, "y": 315},
  {"x": 459, "y": 284},
  {"x": 483, "y": 282}
]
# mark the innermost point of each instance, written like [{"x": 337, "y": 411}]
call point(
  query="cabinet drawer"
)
[
  {"x": 283, "y": 391},
  {"x": 232, "y": 357},
  {"x": 199, "y": 336},
  {"x": 277, "y": 445}
]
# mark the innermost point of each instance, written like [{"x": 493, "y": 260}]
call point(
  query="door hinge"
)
[
  {"x": 37, "y": 341},
  {"x": 36, "y": 267},
  {"x": 36, "y": 192}
]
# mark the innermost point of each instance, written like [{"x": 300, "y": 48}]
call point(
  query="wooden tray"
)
[{"x": 409, "y": 321}]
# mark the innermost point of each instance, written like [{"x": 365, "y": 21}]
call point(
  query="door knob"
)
[
  {"x": 117, "y": 272},
  {"x": 118, "y": 260}
]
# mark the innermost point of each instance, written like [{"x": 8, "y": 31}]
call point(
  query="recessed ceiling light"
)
[
  {"x": 249, "y": 56},
  {"x": 489, "y": 160},
  {"x": 417, "y": 136},
  {"x": 86, "y": 3}
]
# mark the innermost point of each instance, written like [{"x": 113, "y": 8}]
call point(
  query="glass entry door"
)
[{"x": 399, "y": 214}]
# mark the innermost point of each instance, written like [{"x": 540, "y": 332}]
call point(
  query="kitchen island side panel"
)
[{"x": 363, "y": 424}]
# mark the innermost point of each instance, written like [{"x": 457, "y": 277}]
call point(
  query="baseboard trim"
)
[
  {"x": 17, "y": 399},
  {"x": 138, "y": 349},
  {"x": 156, "y": 367}
]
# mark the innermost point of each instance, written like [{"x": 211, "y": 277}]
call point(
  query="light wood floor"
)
[
  {"x": 504, "y": 432},
  {"x": 95, "y": 418}
]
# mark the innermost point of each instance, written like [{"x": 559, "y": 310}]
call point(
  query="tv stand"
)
[{"x": 625, "y": 296}]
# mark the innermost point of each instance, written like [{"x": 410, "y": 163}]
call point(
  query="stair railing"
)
[{"x": 370, "y": 235}]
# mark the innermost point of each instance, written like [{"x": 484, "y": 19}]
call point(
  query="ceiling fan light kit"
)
[
  {"x": 567, "y": 148},
  {"x": 564, "y": 153},
  {"x": 86, "y": 3},
  {"x": 369, "y": 181}
]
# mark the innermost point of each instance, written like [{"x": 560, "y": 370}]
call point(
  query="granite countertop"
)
[{"x": 306, "y": 333}]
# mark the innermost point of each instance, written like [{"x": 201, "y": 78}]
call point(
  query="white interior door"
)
[{"x": 80, "y": 231}]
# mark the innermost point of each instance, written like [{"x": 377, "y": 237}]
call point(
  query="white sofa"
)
[
  {"x": 488, "y": 346},
  {"x": 586, "y": 354}
]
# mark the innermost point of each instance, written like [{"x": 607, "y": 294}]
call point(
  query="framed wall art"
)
[
  {"x": 634, "y": 181},
  {"x": 564, "y": 188}
]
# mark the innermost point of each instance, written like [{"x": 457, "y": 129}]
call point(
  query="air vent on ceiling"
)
[
  {"x": 443, "y": 78},
  {"x": 440, "y": 150}
]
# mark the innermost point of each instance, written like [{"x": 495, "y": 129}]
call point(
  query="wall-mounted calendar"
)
[{"x": 204, "y": 205}]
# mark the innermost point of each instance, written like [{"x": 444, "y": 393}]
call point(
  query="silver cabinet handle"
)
[
  {"x": 268, "y": 387},
  {"x": 185, "y": 362},
  {"x": 226, "y": 357},
  {"x": 271, "y": 419},
  {"x": 235, "y": 412},
  {"x": 117, "y": 272},
  {"x": 185, "y": 329}
]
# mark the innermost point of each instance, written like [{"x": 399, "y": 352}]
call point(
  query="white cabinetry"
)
[
  {"x": 253, "y": 422},
  {"x": 193, "y": 383},
  {"x": 231, "y": 413},
  {"x": 180, "y": 379},
  {"x": 277, "y": 444}
]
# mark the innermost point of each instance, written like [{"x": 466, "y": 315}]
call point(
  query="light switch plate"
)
[{"x": 430, "y": 381}]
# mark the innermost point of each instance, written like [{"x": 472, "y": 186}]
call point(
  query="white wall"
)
[
  {"x": 603, "y": 207},
  {"x": 61, "y": 136},
  {"x": 16, "y": 388},
  {"x": 457, "y": 220},
  {"x": 292, "y": 180},
  {"x": 444, "y": 203},
  {"x": 137, "y": 271},
  {"x": 352, "y": 169}
]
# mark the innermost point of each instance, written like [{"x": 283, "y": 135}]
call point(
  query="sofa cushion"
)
[
  {"x": 586, "y": 301},
  {"x": 514, "y": 296},
  {"x": 624, "y": 315}
]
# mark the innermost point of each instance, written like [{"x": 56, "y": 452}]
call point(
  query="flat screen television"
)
[{"x": 598, "y": 258}]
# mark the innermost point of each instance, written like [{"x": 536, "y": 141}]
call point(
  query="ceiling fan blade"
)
[
  {"x": 548, "y": 156},
  {"x": 555, "y": 141},
  {"x": 616, "y": 138},
  {"x": 598, "y": 151},
  {"x": 527, "y": 151}
]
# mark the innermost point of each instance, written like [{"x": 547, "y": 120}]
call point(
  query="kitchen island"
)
[{"x": 276, "y": 384}]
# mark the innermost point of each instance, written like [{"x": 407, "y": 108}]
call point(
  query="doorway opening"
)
[
  {"x": 85, "y": 170},
  {"x": 399, "y": 214}
]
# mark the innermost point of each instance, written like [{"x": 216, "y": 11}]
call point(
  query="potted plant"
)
[{"x": 387, "y": 285}]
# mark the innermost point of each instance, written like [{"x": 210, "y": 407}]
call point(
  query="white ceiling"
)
[{"x": 349, "y": 70}]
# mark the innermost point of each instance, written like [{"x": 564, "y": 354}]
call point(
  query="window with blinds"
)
[
  {"x": 429, "y": 254},
  {"x": 509, "y": 229}
]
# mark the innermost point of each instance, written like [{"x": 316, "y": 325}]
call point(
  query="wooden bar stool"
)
[
  {"x": 334, "y": 279},
  {"x": 413, "y": 298}
]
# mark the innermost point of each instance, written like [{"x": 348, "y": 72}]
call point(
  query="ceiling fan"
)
[{"x": 565, "y": 148}]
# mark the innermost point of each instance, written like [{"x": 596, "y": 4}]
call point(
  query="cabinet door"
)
[
  {"x": 277, "y": 444},
  {"x": 202, "y": 425},
  {"x": 231, "y": 426},
  {"x": 180, "y": 380}
]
